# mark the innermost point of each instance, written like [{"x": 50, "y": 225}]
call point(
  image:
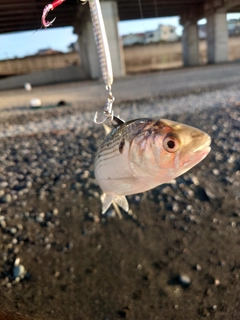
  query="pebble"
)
[
  {"x": 3, "y": 224},
  {"x": 216, "y": 172},
  {"x": 185, "y": 280},
  {"x": 28, "y": 86},
  {"x": 198, "y": 267},
  {"x": 13, "y": 230},
  {"x": 7, "y": 198},
  {"x": 19, "y": 271},
  {"x": 55, "y": 212},
  {"x": 217, "y": 282},
  {"x": 17, "y": 262},
  {"x": 35, "y": 103},
  {"x": 20, "y": 227}
]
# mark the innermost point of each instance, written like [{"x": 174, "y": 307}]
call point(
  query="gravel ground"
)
[{"x": 175, "y": 256}]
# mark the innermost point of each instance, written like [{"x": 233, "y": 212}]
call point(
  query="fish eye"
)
[{"x": 171, "y": 143}]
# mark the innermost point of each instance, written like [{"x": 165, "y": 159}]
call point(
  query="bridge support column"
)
[
  {"x": 87, "y": 47},
  {"x": 190, "y": 44},
  {"x": 217, "y": 38}
]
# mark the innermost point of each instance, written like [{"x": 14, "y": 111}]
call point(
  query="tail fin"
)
[{"x": 107, "y": 199}]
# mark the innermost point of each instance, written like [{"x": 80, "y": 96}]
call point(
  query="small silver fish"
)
[{"x": 141, "y": 154}]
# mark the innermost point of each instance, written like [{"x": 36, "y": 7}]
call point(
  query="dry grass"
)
[{"x": 169, "y": 55}]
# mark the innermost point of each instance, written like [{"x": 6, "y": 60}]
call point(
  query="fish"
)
[{"x": 141, "y": 154}]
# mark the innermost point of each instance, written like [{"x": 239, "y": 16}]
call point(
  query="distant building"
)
[
  {"x": 162, "y": 33},
  {"x": 233, "y": 29},
  {"x": 48, "y": 51},
  {"x": 202, "y": 31},
  {"x": 131, "y": 39}
]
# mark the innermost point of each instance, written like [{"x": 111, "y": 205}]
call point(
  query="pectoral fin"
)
[
  {"x": 122, "y": 202},
  {"x": 107, "y": 200}
]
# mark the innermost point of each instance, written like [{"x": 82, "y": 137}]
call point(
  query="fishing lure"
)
[{"x": 103, "y": 53}]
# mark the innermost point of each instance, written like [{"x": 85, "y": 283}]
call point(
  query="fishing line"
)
[
  {"x": 140, "y": 8},
  {"x": 141, "y": 15},
  {"x": 155, "y": 8}
]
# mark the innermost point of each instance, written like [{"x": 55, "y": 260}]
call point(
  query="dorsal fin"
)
[{"x": 107, "y": 129}]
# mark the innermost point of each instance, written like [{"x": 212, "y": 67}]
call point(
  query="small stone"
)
[
  {"x": 19, "y": 271},
  {"x": 185, "y": 280},
  {"x": 39, "y": 219},
  {"x": 195, "y": 180},
  {"x": 46, "y": 240},
  {"x": 29, "y": 184},
  {"x": 3, "y": 224},
  {"x": 70, "y": 245},
  {"x": 27, "y": 86},
  {"x": 55, "y": 212},
  {"x": 35, "y": 103},
  {"x": 216, "y": 172},
  {"x": 20, "y": 227},
  {"x": 137, "y": 198},
  {"x": 13, "y": 230},
  {"x": 210, "y": 194},
  {"x": 16, "y": 262},
  {"x": 217, "y": 282},
  {"x": 17, "y": 280},
  {"x": 198, "y": 267},
  {"x": 175, "y": 207},
  {"x": 7, "y": 198},
  {"x": 214, "y": 127}
]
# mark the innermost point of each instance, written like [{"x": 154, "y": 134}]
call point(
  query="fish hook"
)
[
  {"x": 46, "y": 10},
  {"x": 50, "y": 7},
  {"x": 107, "y": 111},
  {"x": 45, "y": 23}
]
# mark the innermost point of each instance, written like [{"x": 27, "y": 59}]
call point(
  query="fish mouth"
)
[{"x": 204, "y": 146}]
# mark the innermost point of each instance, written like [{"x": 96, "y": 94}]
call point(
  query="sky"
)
[{"x": 21, "y": 44}]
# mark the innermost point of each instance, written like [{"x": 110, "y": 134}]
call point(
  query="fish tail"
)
[{"x": 107, "y": 200}]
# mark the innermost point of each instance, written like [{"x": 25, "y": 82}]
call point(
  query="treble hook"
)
[{"x": 46, "y": 10}]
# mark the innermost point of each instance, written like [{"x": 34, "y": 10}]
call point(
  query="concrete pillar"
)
[
  {"x": 87, "y": 46},
  {"x": 110, "y": 17},
  {"x": 217, "y": 38},
  {"x": 190, "y": 44}
]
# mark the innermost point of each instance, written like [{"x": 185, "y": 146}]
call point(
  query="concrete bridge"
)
[{"x": 23, "y": 15}]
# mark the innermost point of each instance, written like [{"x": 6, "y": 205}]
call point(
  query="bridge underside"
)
[{"x": 23, "y": 15}]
